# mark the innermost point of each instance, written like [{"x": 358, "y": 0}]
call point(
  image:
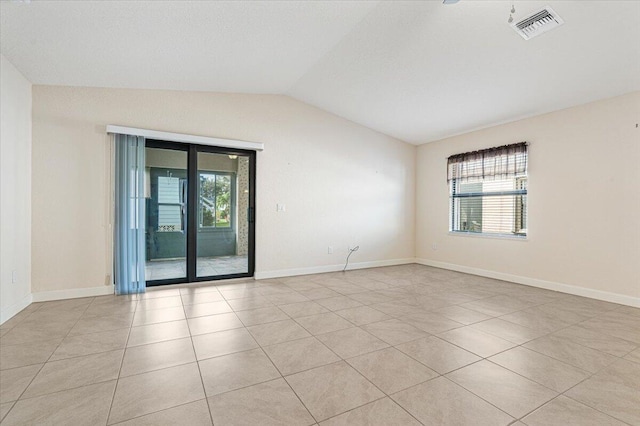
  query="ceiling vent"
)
[{"x": 537, "y": 23}]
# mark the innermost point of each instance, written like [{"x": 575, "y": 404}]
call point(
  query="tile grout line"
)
[
  {"x": 340, "y": 360},
  {"x": 115, "y": 388},
  {"x": 297, "y": 372},
  {"x": 43, "y": 364},
  {"x": 280, "y": 372},
  {"x": 159, "y": 411},
  {"x": 590, "y": 375},
  {"x": 386, "y": 395},
  {"x": 345, "y": 360},
  {"x": 62, "y": 340},
  {"x": 522, "y": 345},
  {"x": 462, "y": 387},
  {"x": 20, "y": 321},
  {"x": 195, "y": 354},
  {"x": 527, "y": 378},
  {"x": 245, "y": 327}
]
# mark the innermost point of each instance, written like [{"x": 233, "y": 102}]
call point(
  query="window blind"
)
[{"x": 501, "y": 162}]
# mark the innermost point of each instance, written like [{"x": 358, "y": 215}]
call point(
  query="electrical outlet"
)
[
  {"x": 434, "y": 246},
  {"x": 329, "y": 250},
  {"x": 14, "y": 276},
  {"x": 281, "y": 207}
]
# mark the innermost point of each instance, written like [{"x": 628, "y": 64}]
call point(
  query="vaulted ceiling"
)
[{"x": 415, "y": 70}]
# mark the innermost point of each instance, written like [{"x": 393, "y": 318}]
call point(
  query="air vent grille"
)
[{"x": 537, "y": 23}]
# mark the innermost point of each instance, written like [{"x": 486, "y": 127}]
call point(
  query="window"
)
[
  {"x": 215, "y": 200},
  {"x": 488, "y": 191}
]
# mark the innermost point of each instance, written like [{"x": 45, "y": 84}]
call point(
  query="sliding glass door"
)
[
  {"x": 222, "y": 243},
  {"x": 200, "y": 208},
  {"x": 166, "y": 184}
]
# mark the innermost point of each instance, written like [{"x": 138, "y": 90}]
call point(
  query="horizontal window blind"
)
[
  {"x": 169, "y": 218},
  {"x": 168, "y": 190},
  {"x": 488, "y": 191},
  {"x": 494, "y": 163}
]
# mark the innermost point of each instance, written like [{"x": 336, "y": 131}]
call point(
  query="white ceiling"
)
[{"x": 416, "y": 70}]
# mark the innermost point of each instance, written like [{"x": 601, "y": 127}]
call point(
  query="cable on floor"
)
[{"x": 348, "y": 256}]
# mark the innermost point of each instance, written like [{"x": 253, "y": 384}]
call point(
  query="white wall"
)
[
  {"x": 15, "y": 190},
  {"x": 341, "y": 183},
  {"x": 584, "y": 203}
]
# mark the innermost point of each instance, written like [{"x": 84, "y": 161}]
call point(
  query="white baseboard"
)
[
  {"x": 8, "y": 312},
  {"x": 262, "y": 275},
  {"x": 46, "y": 296},
  {"x": 534, "y": 282}
]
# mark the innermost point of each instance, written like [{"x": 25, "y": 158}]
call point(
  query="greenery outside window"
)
[{"x": 216, "y": 200}]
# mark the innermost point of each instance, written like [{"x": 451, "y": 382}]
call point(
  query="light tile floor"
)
[
  {"x": 403, "y": 345},
  {"x": 205, "y": 267}
]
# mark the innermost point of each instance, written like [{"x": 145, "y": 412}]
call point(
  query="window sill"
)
[{"x": 489, "y": 236}]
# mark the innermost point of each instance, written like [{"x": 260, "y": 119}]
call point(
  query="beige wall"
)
[
  {"x": 342, "y": 183},
  {"x": 15, "y": 190},
  {"x": 584, "y": 201}
]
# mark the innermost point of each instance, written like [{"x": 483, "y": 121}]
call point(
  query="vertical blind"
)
[
  {"x": 488, "y": 191},
  {"x": 130, "y": 255}
]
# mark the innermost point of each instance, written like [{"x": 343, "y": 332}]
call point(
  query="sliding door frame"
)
[{"x": 192, "y": 151}]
